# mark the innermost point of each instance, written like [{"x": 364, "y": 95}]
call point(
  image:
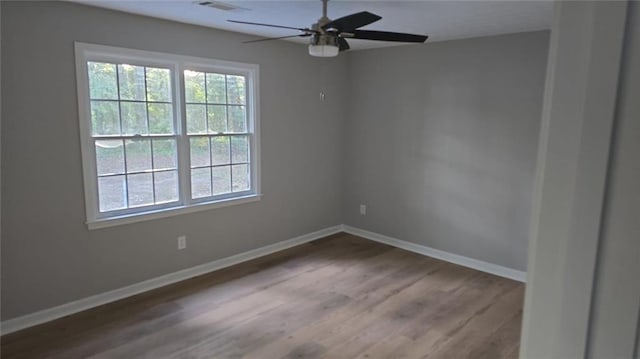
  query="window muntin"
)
[{"x": 141, "y": 155}]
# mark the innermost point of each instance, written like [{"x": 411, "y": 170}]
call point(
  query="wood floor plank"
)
[
  {"x": 365, "y": 296},
  {"x": 390, "y": 317},
  {"x": 338, "y": 297},
  {"x": 503, "y": 343},
  {"x": 477, "y": 330},
  {"x": 309, "y": 286}
]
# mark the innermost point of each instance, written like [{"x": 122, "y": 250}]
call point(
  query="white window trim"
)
[{"x": 177, "y": 63}]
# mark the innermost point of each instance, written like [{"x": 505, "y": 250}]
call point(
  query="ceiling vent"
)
[{"x": 220, "y": 5}]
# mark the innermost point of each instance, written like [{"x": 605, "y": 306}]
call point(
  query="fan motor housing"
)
[{"x": 324, "y": 39}]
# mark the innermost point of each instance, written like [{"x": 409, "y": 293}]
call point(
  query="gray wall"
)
[
  {"x": 48, "y": 255},
  {"x": 441, "y": 143},
  {"x": 438, "y": 140}
]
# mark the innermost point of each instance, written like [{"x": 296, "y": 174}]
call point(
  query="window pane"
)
[
  {"x": 237, "y": 119},
  {"x": 194, "y": 86},
  {"x": 102, "y": 81},
  {"x": 201, "y": 182},
  {"x": 109, "y": 157},
  {"x": 196, "y": 119},
  {"x": 138, "y": 155},
  {"x": 166, "y": 186},
  {"x": 112, "y": 193},
  {"x": 221, "y": 180},
  {"x": 216, "y": 91},
  {"x": 140, "y": 188},
  {"x": 240, "y": 177},
  {"x": 200, "y": 151},
  {"x": 134, "y": 118},
  {"x": 236, "y": 90},
  {"x": 104, "y": 118},
  {"x": 160, "y": 118},
  {"x": 239, "y": 149},
  {"x": 164, "y": 154},
  {"x": 158, "y": 84},
  {"x": 217, "y": 117},
  {"x": 131, "y": 80},
  {"x": 219, "y": 150}
]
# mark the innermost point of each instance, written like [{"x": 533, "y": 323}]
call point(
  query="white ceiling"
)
[{"x": 441, "y": 20}]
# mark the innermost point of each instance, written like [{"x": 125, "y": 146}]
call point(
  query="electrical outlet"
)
[
  {"x": 182, "y": 242},
  {"x": 363, "y": 209}
]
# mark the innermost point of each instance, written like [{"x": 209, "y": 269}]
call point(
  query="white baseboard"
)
[
  {"x": 46, "y": 315},
  {"x": 438, "y": 254},
  {"x": 50, "y": 314}
]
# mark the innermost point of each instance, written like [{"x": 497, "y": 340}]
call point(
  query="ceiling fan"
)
[{"x": 328, "y": 37}]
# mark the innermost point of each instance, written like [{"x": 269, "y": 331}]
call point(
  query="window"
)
[
  {"x": 164, "y": 134},
  {"x": 217, "y": 131},
  {"x": 132, "y": 128}
]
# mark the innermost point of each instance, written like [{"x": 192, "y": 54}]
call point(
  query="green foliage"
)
[
  {"x": 160, "y": 118},
  {"x": 196, "y": 119},
  {"x": 102, "y": 81},
  {"x": 236, "y": 91},
  {"x": 104, "y": 118},
  {"x": 216, "y": 88},
  {"x": 131, "y": 82},
  {"x": 225, "y": 97},
  {"x": 217, "y": 118},
  {"x": 143, "y": 91},
  {"x": 194, "y": 89},
  {"x": 134, "y": 118},
  {"x": 237, "y": 119},
  {"x": 158, "y": 85}
]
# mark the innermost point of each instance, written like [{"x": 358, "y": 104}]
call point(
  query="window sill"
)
[{"x": 169, "y": 212}]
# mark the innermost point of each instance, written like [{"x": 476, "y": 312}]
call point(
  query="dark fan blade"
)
[
  {"x": 275, "y": 38},
  {"x": 352, "y": 22},
  {"x": 387, "y": 36},
  {"x": 343, "y": 44},
  {"x": 282, "y": 27}
]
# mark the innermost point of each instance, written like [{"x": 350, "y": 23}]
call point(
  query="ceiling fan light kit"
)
[
  {"x": 328, "y": 37},
  {"x": 323, "y": 46}
]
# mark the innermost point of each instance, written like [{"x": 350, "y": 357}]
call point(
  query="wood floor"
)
[{"x": 338, "y": 297}]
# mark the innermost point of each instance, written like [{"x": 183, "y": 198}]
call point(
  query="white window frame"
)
[{"x": 177, "y": 64}]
